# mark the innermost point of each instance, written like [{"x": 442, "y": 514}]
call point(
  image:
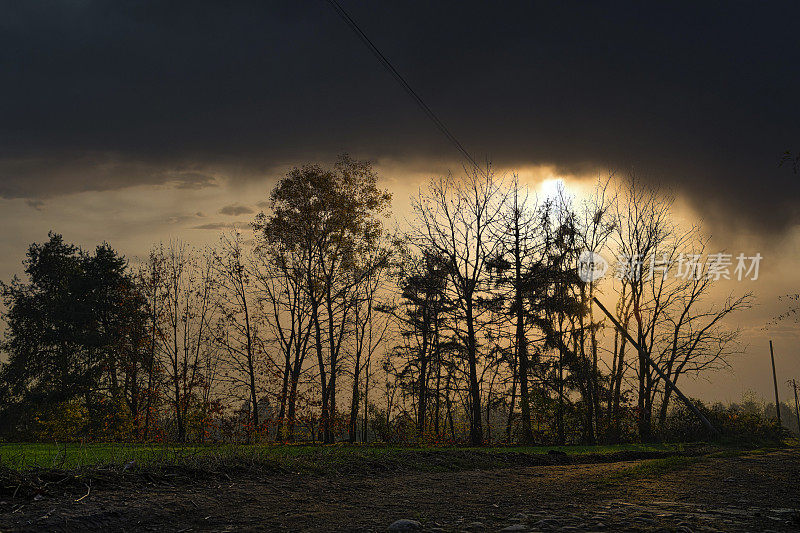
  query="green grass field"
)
[{"x": 23, "y": 456}]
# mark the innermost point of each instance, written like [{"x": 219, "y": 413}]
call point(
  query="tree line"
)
[{"x": 470, "y": 322}]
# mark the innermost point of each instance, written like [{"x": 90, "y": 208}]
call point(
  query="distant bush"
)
[{"x": 732, "y": 421}]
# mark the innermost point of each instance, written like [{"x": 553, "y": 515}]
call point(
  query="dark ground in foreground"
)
[{"x": 748, "y": 492}]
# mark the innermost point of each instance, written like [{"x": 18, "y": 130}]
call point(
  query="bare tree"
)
[
  {"x": 455, "y": 219},
  {"x": 369, "y": 328},
  {"x": 673, "y": 326},
  {"x": 644, "y": 229},
  {"x": 280, "y": 273},
  {"x": 695, "y": 339},
  {"x": 237, "y": 331},
  {"x": 595, "y": 223},
  {"x": 185, "y": 335},
  {"x": 519, "y": 235},
  {"x": 151, "y": 282}
]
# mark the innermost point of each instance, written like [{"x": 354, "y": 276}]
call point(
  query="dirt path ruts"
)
[{"x": 755, "y": 492}]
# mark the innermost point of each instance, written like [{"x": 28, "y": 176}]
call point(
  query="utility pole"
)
[
  {"x": 796, "y": 404},
  {"x": 661, "y": 374},
  {"x": 775, "y": 382}
]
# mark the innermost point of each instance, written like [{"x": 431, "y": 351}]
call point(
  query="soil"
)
[{"x": 751, "y": 492}]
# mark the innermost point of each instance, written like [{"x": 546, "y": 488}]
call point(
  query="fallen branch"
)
[{"x": 88, "y": 491}]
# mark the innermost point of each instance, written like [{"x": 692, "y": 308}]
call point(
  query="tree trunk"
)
[
  {"x": 510, "y": 420},
  {"x": 353, "y": 426},
  {"x": 524, "y": 396},
  {"x": 366, "y": 401},
  {"x": 250, "y": 364},
  {"x": 475, "y": 427},
  {"x": 423, "y": 381},
  {"x": 291, "y": 408},
  {"x": 438, "y": 379},
  {"x": 643, "y": 418},
  {"x": 588, "y": 377},
  {"x": 279, "y": 430},
  {"x": 325, "y": 430}
]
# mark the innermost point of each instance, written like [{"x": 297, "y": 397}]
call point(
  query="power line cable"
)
[{"x": 402, "y": 81}]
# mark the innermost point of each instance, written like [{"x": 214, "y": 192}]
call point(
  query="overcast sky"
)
[{"x": 137, "y": 121}]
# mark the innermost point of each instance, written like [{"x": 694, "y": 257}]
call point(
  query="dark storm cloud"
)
[
  {"x": 40, "y": 173},
  {"x": 702, "y": 97}
]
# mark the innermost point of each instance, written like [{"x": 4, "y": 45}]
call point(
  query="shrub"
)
[{"x": 732, "y": 422}]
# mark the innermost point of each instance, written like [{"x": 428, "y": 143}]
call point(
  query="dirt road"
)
[{"x": 754, "y": 492}]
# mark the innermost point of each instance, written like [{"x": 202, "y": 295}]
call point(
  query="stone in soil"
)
[{"x": 404, "y": 524}]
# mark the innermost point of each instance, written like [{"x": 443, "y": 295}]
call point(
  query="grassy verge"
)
[
  {"x": 655, "y": 468},
  {"x": 22, "y": 456},
  {"x": 30, "y": 469}
]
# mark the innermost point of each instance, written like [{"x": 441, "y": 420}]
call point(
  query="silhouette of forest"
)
[{"x": 328, "y": 320}]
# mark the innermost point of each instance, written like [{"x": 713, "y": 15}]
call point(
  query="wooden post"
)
[
  {"x": 796, "y": 404},
  {"x": 661, "y": 374},
  {"x": 775, "y": 382}
]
